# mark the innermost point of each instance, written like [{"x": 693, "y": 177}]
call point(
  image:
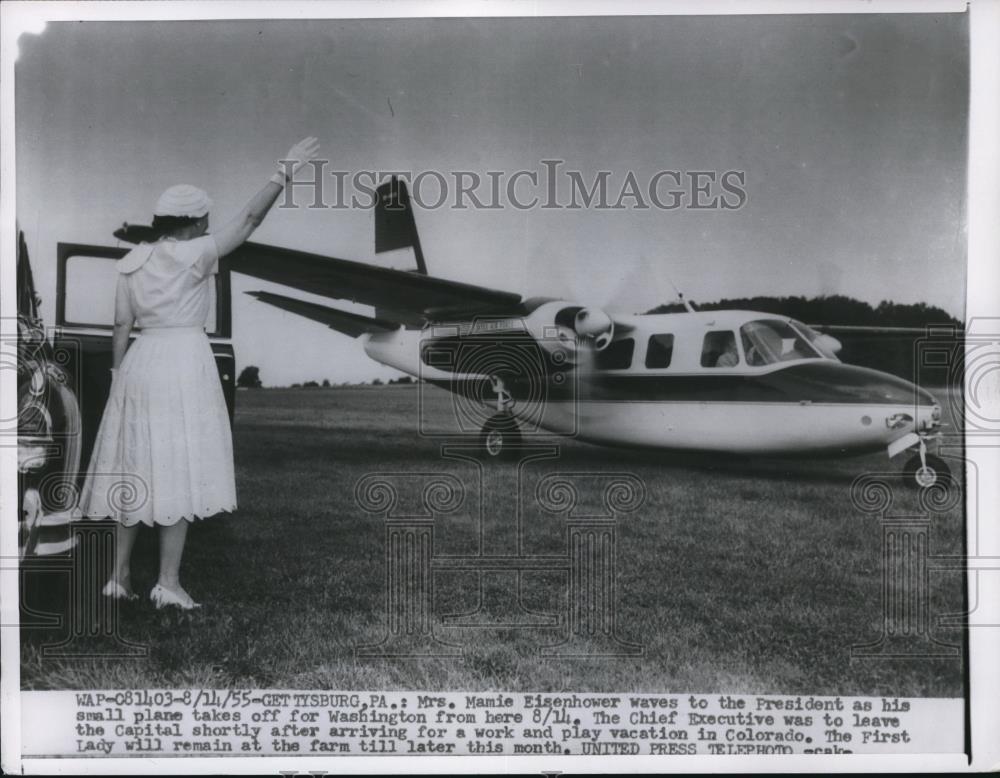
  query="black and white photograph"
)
[{"x": 498, "y": 390}]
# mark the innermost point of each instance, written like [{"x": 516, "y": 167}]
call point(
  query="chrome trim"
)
[
  {"x": 898, "y": 420},
  {"x": 51, "y": 548}
]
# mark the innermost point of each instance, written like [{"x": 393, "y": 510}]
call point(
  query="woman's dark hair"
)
[{"x": 164, "y": 225}]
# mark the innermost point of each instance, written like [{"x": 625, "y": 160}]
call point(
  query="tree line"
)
[
  {"x": 249, "y": 378},
  {"x": 889, "y": 352},
  {"x": 830, "y": 309}
]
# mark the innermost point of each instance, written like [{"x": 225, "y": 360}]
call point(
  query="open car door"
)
[{"x": 85, "y": 308}]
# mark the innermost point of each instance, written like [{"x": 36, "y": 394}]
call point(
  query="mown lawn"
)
[{"x": 736, "y": 576}]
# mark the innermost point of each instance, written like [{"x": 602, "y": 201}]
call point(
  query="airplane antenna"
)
[{"x": 687, "y": 304}]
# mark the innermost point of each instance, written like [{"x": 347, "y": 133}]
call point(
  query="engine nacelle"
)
[
  {"x": 551, "y": 331},
  {"x": 559, "y": 325}
]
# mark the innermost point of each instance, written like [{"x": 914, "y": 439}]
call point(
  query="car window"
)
[
  {"x": 90, "y": 290},
  {"x": 90, "y": 293}
]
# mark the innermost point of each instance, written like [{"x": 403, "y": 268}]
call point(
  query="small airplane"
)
[{"x": 722, "y": 381}]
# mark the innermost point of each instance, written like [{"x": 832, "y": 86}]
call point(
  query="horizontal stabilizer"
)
[{"x": 352, "y": 324}]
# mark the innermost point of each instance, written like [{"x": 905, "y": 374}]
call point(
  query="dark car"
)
[{"x": 48, "y": 429}]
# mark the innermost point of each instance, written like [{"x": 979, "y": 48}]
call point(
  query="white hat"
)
[{"x": 183, "y": 200}]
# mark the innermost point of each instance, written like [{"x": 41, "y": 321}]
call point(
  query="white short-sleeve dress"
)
[{"x": 164, "y": 450}]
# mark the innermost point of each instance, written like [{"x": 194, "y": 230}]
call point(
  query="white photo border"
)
[{"x": 983, "y": 300}]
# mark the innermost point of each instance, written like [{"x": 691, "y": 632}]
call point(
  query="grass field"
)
[{"x": 737, "y": 576}]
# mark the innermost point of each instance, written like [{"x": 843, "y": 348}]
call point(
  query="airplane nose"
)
[
  {"x": 929, "y": 419},
  {"x": 928, "y": 409},
  {"x": 892, "y": 389},
  {"x": 829, "y": 381},
  {"x": 926, "y": 412},
  {"x": 926, "y": 398}
]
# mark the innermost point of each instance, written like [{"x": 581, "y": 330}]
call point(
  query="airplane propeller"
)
[
  {"x": 595, "y": 327},
  {"x": 573, "y": 332}
]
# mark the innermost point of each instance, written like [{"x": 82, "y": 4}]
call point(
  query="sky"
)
[{"x": 850, "y": 130}]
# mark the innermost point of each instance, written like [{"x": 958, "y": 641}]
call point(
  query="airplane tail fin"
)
[{"x": 395, "y": 227}]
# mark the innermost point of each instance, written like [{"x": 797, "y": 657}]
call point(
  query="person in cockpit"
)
[
  {"x": 729, "y": 357},
  {"x": 719, "y": 349}
]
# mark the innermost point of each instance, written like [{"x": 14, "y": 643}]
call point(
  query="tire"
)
[
  {"x": 500, "y": 439},
  {"x": 919, "y": 477}
]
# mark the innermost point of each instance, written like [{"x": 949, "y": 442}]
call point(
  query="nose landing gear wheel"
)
[
  {"x": 924, "y": 474},
  {"x": 500, "y": 438}
]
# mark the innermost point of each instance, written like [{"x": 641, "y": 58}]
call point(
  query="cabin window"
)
[
  {"x": 659, "y": 350},
  {"x": 617, "y": 356},
  {"x": 769, "y": 341},
  {"x": 719, "y": 349}
]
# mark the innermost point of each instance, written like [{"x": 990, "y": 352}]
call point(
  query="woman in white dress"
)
[{"x": 164, "y": 451}]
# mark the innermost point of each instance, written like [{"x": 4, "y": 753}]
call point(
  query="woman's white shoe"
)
[
  {"x": 116, "y": 591},
  {"x": 163, "y": 597}
]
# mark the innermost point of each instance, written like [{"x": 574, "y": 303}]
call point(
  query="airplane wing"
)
[
  {"x": 352, "y": 324},
  {"x": 866, "y": 329},
  {"x": 399, "y": 296}
]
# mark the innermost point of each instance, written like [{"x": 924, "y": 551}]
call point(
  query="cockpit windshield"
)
[
  {"x": 826, "y": 345},
  {"x": 769, "y": 341}
]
